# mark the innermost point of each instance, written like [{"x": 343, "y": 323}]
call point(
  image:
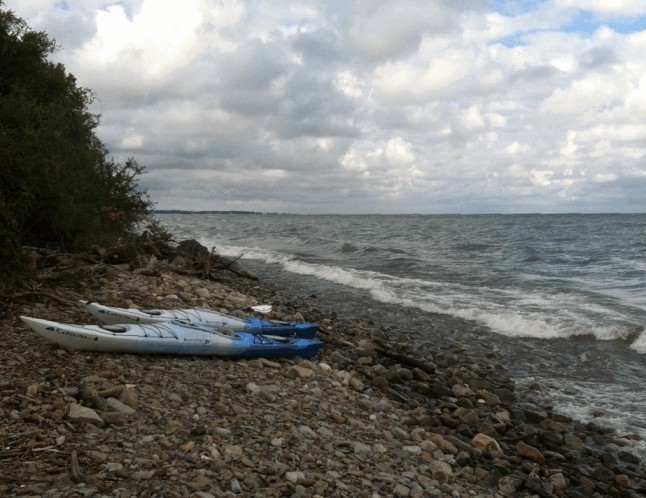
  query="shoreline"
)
[{"x": 366, "y": 417}]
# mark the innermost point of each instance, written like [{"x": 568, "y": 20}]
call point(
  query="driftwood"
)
[
  {"x": 192, "y": 257},
  {"x": 383, "y": 349},
  {"x": 189, "y": 257},
  {"x": 52, "y": 266}
]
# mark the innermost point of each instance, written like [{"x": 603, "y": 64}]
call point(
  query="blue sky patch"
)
[{"x": 586, "y": 22}]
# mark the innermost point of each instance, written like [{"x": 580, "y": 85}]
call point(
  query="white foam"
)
[
  {"x": 639, "y": 344},
  {"x": 606, "y": 404},
  {"x": 506, "y": 312}
]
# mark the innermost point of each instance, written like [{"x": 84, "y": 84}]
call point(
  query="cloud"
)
[
  {"x": 148, "y": 48},
  {"x": 383, "y": 30},
  {"x": 380, "y": 106},
  {"x": 155, "y": 41}
]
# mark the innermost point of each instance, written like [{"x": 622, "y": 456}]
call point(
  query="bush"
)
[{"x": 57, "y": 187}]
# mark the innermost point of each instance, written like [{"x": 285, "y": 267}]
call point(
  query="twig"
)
[
  {"x": 229, "y": 263},
  {"x": 10, "y": 453},
  {"x": 46, "y": 448},
  {"x": 74, "y": 468}
]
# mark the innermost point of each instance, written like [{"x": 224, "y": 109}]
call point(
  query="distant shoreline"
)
[
  {"x": 182, "y": 211},
  {"x": 225, "y": 212}
]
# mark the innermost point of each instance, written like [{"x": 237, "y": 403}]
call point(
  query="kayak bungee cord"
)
[{"x": 158, "y": 328}]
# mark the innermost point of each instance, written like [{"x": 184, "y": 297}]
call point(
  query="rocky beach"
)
[{"x": 371, "y": 415}]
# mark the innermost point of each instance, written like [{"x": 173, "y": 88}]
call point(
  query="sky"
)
[{"x": 371, "y": 106}]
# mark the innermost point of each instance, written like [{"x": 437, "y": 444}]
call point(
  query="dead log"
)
[
  {"x": 193, "y": 255},
  {"x": 233, "y": 266}
]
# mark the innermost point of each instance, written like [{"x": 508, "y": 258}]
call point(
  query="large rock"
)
[
  {"x": 441, "y": 471},
  {"x": 129, "y": 397},
  {"x": 84, "y": 415},
  {"x": 299, "y": 372},
  {"x": 484, "y": 443},
  {"x": 527, "y": 451},
  {"x": 119, "y": 406},
  {"x": 460, "y": 391}
]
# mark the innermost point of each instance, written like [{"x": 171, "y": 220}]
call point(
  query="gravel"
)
[{"x": 370, "y": 416}]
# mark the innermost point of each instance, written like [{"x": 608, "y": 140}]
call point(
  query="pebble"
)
[{"x": 350, "y": 423}]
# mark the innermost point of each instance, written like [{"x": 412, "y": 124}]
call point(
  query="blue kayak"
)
[{"x": 171, "y": 337}]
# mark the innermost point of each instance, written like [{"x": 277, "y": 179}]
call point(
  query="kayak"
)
[
  {"x": 200, "y": 316},
  {"x": 171, "y": 337}
]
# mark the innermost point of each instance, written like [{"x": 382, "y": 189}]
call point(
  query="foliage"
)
[{"x": 57, "y": 187}]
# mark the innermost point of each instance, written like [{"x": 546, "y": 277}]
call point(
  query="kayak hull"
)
[
  {"x": 170, "y": 338},
  {"x": 201, "y": 316}
]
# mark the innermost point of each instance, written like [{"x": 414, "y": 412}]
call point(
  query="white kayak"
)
[
  {"x": 171, "y": 337},
  {"x": 201, "y": 316}
]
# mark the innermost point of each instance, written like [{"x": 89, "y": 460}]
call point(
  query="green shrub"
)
[{"x": 57, "y": 187}]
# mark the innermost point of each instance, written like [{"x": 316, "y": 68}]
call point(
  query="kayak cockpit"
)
[
  {"x": 152, "y": 312},
  {"x": 119, "y": 329}
]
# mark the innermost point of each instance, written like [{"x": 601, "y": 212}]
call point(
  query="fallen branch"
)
[
  {"x": 48, "y": 295},
  {"x": 407, "y": 360},
  {"x": 226, "y": 266},
  {"x": 194, "y": 255},
  {"x": 232, "y": 265}
]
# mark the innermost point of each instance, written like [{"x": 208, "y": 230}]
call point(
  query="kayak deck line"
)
[{"x": 201, "y": 317}]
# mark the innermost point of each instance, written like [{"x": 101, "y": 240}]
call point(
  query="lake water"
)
[{"x": 561, "y": 298}]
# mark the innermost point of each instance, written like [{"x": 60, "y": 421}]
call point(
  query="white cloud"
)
[
  {"x": 570, "y": 147},
  {"x": 390, "y": 166},
  {"x": 353, "y": 160},
  {"x": 132, "y": 140},
  {"x": 593, "y": 93},
  {"x": 431, "y": 74},
  {"x": 516, "y": 148},
  {"x": 274, "y": 174},
  {"x": 635, "y": 99},
  {"x": 152, "y": 42},
  {"x": 605, "y": 177},
  {"x": 349, "y": 84},
  {"x": 398, "y": 153},
  {"x": 472, "y": 118}
]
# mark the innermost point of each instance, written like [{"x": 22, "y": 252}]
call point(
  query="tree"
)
[{"x": 57, "y": 187}]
